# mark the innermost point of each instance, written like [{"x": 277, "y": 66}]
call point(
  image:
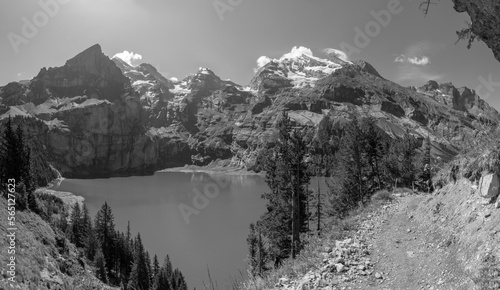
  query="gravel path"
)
[{"x": 391, "y": 249}]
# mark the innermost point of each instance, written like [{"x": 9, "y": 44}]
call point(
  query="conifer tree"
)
[
  {"x": 373, "y": 149},
  {"x": 105, "y": 232},
  {"x": 252, "y": 241},
  {"x": 426, "y": 167},
  {"x": 139, "y": 276},
  {"x": 91, "y": 244},
  {"x": 77, "y": 227},
  {"x": 287, "y": 178},
  {"x": 156, "y": 267},
  {"x": 352, "y": 160},
  {"x": 100, "y": 264},
  {"x": 162, "y": 281}
]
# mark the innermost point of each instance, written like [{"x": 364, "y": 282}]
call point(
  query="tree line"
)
[
  {"x": 358, "y": 159},
  {"x": 119, "y": 258}
]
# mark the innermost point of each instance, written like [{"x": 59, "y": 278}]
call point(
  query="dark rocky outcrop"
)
[{"x": 485, "y": 16}]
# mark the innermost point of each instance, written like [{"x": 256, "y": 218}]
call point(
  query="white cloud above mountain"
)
[
  {"x": 129, "y": 57},
  {"x": 297, "y": 51},
  {"x": 416, "y": 60},
  {"x": 414, "y": 64},
  {"x": 262, "y": 61},
  {"x": 331, "y": 52}
]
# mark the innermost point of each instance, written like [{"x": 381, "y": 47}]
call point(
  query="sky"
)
[{"x": 230, "y": 36}]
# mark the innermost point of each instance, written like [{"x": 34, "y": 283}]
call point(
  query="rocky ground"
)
[{"x": 406, "y": 244}]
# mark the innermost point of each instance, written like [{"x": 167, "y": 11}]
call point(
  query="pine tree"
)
[
  {"x": 353, "y": 162},
  {"x": 91, "y": 244},
  {"x": 426, "y": 167},
  {"x": 169, "y": 271},
  {"x": 162, "y": 281},
  {"x": 179, "y": 283},
  {"x": 77, "y": 227},
  {"x": 300, "y": 179},
  {"x": 139, "y": 276},
  {"x": 10, "y": 154},
  {"x": 16, "y": 163},
  {"x": 252, "y": 241},
  {"x": 156, "y": 267},
  {"x": 373, "y": 149},
  {"x": 287, "y": 178},
  {"x": 105, "y": 233},
  {"x": 100, "y": 264},
  {"x": 149, "y": 268}
]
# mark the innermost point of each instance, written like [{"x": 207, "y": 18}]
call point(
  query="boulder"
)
[{"x": 488, "y": 186}]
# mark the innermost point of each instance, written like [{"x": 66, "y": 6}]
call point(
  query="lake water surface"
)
[{"x": 215, "y": 233}]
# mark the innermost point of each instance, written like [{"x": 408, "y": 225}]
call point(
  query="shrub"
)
[{"x": 383, "y": 195}]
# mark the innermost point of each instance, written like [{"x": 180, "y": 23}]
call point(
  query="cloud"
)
[
  {"x": 174, "y": 79},
  {"x": 331, "y": 52},
  {"x": 414, "y": 64},
  {"x": 296, "y": 52},
  {"x": 416, "y": 60},
  {"x": 129, "y": 57},
  {"x": 262, "y": 61}
]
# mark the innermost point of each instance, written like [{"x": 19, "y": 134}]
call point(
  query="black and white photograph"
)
[{"x": 250, "y": 144}]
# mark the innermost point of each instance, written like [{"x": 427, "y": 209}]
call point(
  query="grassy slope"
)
[{"x": 40, "y": 262}]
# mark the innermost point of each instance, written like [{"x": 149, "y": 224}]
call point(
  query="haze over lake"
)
[{"x": 216, "y": 236}]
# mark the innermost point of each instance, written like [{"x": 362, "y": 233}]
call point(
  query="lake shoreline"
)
[{"x": 212, "y": 170}]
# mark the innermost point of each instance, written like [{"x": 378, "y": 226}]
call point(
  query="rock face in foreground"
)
[
  {"x": 488, "y": 186},
  {"x": 485, "y": 16},
  {"x": 96, "y": 117}
]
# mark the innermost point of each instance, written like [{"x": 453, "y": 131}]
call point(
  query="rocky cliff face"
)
[
  {"x": 485, "y": 16},
  {"x": 100, "y": 117}
]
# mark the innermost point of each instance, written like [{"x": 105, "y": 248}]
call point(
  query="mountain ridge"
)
[{"x": 104, "y": 117}]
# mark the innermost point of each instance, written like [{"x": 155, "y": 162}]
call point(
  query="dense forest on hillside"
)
[{"x": 118, "y": 258}]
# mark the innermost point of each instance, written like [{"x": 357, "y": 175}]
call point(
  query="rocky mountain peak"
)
[
  {"x": 90, "y": 53},
  {"x": 430, "y": 86},
  {"x": 461, "y": 99},
  {"x": 367, "y": 67},
  {"x": 89, "y": 73}
]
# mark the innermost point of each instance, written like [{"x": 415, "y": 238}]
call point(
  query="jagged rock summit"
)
[{"x": 97, "y": 116}]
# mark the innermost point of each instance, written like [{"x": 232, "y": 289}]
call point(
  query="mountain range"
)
[{"x": 100, "y": 117}]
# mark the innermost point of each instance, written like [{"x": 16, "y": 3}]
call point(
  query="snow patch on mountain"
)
[{"x": 301, "y": 67}]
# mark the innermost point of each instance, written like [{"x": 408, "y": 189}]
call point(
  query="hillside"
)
[
  {"x": 44, "y": 258},
  {"x": 445, "y": 240}
]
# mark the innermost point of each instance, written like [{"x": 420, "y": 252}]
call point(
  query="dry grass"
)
[{"x": 489, "y": 274}]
